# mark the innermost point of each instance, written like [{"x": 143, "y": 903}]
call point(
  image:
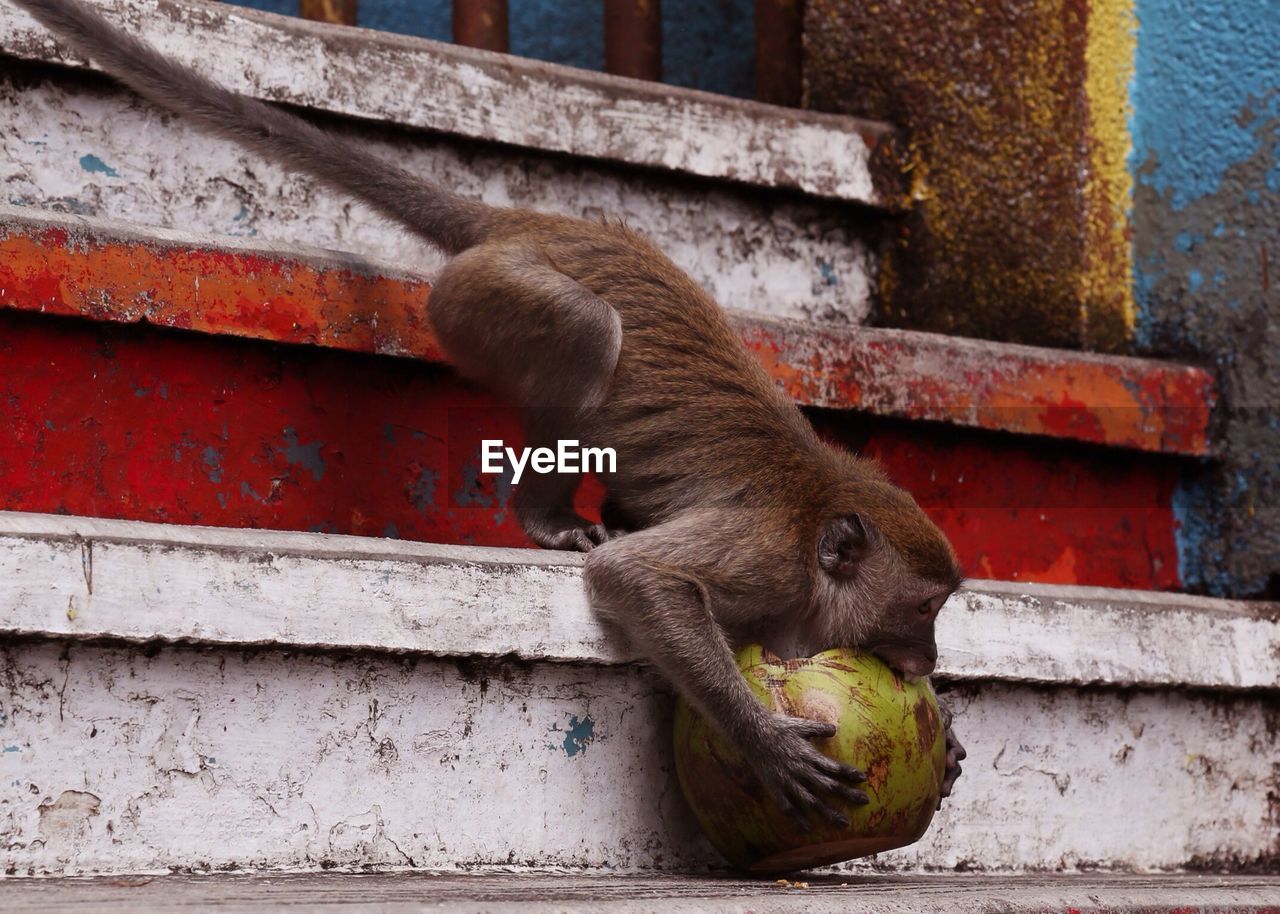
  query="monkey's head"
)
[{"x": 883, "y": 571}]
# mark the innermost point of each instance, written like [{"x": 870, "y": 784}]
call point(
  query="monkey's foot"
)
[
  {"x": 799, "y": 776},
  {"x": 569, "y": 532},
  {"x": 955, "y": 755}
]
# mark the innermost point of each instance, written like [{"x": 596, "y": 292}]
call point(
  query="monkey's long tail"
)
[{"x": 448, "y": 221}]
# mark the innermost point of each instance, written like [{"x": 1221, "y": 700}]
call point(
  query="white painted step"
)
[
  {"x": 76, "y": 142},
  {"x": 500, "y": 98},
  {"x": 196, "y": 699},
  {"x": 384, "y": 894}
]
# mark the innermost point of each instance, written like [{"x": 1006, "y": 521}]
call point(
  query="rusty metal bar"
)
[
  {"x": 778, "y": 47},
  {"x": 342, "y": 12},
  {"x": 481, "y": 24},
  {"x": 633, "y": 38}
]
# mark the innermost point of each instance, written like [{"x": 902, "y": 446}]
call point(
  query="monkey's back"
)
[{"x": 692, "y": 414}]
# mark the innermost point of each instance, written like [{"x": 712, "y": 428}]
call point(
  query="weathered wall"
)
[
  {"x": 117, "y": 759},
  {"x": 1016, "y": 113},
  {"x": 1094, "y": 173},
  {"x": 1207, "y": 243},
  {"x": 356, "y": 702}
]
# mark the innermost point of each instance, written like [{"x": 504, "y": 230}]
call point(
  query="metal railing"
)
[{"x": 632, "y": 37}]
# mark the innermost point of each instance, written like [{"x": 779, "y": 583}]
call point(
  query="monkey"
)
[{"x": 727, "y": 521}]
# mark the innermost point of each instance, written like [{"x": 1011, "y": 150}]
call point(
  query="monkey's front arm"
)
[{"x": 648, "y": 584}]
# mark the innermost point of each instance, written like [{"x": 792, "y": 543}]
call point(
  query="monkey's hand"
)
[
  {"x": 955, "y": 754},
  {"x": 799, "y": 776},
  {"x": 568, "y": 532}
]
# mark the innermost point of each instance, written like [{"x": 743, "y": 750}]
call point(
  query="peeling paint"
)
[
  {"x": 66, "y": 819},
  {"x": 1015, "y": 112},
  {"x": 508, "y": 100},
  {"x": 304, "y": 772},
  {"x": 308, "y": 456},
  {"x": 748, "y": 250},
  {"x": 1207, "y": 135},
  {"x": 422, "y": 491},
  {"x": 97, "y": 271},
  {"x": 578, "y": 734},
  {"x": 1108, "y": 72},
  {"x": 213, "y": 463},
  {"x": 1112, "y": 509},
  {"x": 94, "y": 165}
]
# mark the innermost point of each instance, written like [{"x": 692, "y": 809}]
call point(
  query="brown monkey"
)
[{"x": 740, "y": 523}]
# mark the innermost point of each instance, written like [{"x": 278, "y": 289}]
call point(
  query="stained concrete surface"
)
[{"x": 953, "y": 893}]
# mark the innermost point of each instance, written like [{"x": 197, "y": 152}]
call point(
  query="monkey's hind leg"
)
[{"x": 508, "y": 319}]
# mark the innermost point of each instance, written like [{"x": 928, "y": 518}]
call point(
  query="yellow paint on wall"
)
[{"x": 1109, "y": 65}]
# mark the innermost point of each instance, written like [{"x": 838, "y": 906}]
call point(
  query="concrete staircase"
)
[
  {"x": 198, "y": 699},
  {"x": 837, "y": 894},
  {"x": 183, "y": 699}
]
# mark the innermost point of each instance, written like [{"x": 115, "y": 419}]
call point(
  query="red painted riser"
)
[
  {"x": 145, "y": 424},
  {"x": 108, "y": 273}
]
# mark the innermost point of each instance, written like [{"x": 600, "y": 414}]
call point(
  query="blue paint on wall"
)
[
  {"x": 1206, "y": 161},
  {"x": 1198, "y": 62},
  {"x": 1194, "y": 510},
  {"x": 581, "y": 733},
  {"x": 707, "y": 44},
  {"x": 94, "y": 165}
]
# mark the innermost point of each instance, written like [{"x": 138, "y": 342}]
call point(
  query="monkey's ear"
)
[{"x": 842, "y": 546}]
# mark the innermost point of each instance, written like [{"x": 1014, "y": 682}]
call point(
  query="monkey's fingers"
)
[
  {"x": 798, "y": 818},
  {"x": 948, "y": 783},
  {"x": 946, "y": 715},
  {"x": 804, "y": 805},
  {"x": 846, "y": 792},
  {"x": 812, "y": 790},
  {"x": 814, "y": 805},
  {"x": 952, "y": 775},
  {"x": 839, "y": 771},
  {"x": 955, "y": 755},
  {"x": 832, "y": 815},
  {"x": 809, "y": 729},
  {"x": 598, "y": 534},
  {"x": 584, "y": 539},
  {"x": 570, "y": 539}
]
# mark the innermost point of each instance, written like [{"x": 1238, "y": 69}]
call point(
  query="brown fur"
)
[{"x": 740, "y": 524}]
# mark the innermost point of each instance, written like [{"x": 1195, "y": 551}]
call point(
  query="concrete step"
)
[
  {"x": 950, "y": 893},
  {"x": 705, "y": 176},
  {"x": 501, "y": 98},
  {"x": 201, "y": 699}
]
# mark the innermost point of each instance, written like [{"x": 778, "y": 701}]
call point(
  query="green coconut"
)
[{"x": 887, "y": 727}]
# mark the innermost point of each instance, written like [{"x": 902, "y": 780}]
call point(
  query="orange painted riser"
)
[
  {"x": 161, "y": 425},
  {"x": 100, "y": 272}
]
